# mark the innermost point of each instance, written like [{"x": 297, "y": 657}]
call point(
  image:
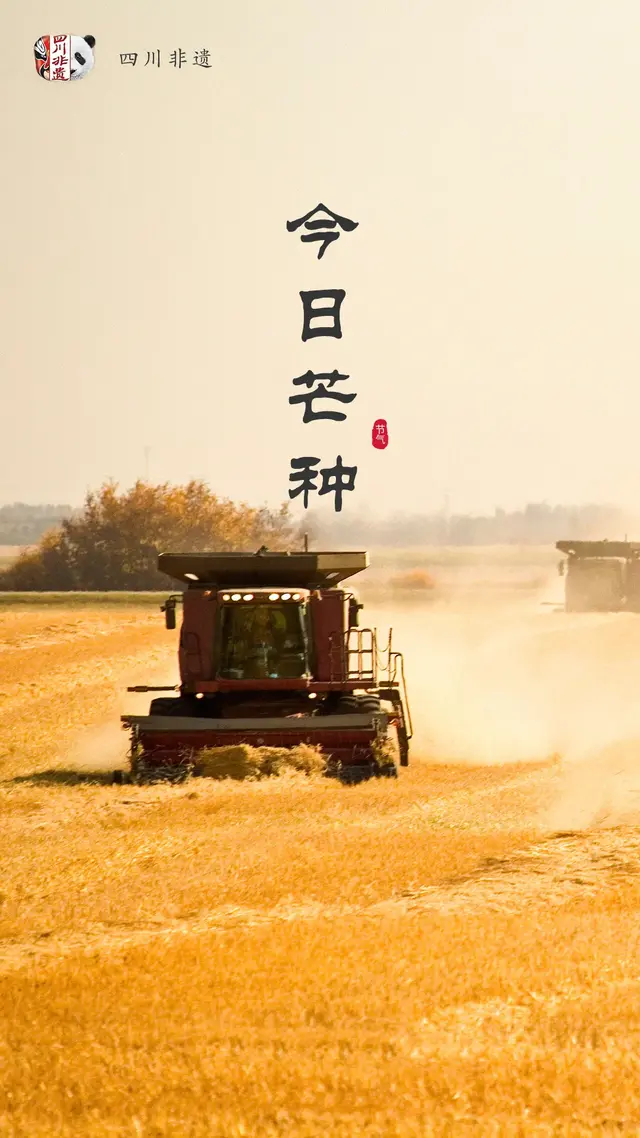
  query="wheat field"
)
[{"x": 451, "y": 953}]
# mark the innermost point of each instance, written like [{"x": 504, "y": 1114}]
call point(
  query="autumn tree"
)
[{"x": 114, "y": 542}]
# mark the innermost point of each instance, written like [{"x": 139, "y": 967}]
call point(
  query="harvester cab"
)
[{"x": 271, "y": 653}]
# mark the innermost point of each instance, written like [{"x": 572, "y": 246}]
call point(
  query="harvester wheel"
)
[
  {"x": 403, "y": 743},
  {"x": 173, "y": 705},
  {"x": 370, "y": 704},
  {"x": 347, "y": 705},
  {"x": 387, "y": 770}
]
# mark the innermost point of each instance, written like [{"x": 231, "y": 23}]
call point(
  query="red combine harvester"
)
[{"x": 271, "y": 654}]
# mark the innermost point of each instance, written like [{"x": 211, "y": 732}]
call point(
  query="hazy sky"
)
[{"x": 489, "y": 150}]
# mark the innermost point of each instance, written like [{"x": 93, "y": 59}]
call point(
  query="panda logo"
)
[{"x": 80, "y": 56}]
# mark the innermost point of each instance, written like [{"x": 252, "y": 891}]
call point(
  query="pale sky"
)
[{"x": 489, "y": 150}]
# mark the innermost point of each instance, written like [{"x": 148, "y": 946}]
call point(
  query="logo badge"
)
[
  {"x": 60, "y": 58},
  {"x": 380, "y": 434}
]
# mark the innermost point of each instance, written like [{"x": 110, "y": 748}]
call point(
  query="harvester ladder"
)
[
  {"x": 384, "y": 659},
  {"x": 391, "y": 665},
  {"x": 362, "y": 654},
  {"x": 396, "y": 667}
]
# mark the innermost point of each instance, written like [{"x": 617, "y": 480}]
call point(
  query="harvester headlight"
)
[
  {"x": 248, "y": 597},
  {"x": 295, "y": 597},
  {"x": 226, "y": 597},
  {"x": 274, "y": 596},
  {"x": 286, "y": 596},
  {"x": 235, "y": 596}
]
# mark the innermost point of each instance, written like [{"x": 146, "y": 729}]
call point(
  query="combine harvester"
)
[
  {"x": 601, "y": 576},
  {"x": 271, "y": 655}
]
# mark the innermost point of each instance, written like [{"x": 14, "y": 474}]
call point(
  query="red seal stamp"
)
[{"x": 380, "y": 434}]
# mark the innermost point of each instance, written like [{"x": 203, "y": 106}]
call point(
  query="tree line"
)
[
  {"x": 113, "y": 542},
  {"x": 535, "y": 524}
]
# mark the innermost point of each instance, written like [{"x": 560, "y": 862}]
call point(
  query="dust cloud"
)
[
  {"x": 512, "y": 681},
  {"x": 493, "y": 678},
  {"x": 104, "y": 746}
]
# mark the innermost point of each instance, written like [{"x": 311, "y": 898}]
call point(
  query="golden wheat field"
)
[{"x": 452, "y": 953}]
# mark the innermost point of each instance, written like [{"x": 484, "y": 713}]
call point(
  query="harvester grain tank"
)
[
  {"x": 601, "y": 576},
  {"x": 271, "y": 653}
]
